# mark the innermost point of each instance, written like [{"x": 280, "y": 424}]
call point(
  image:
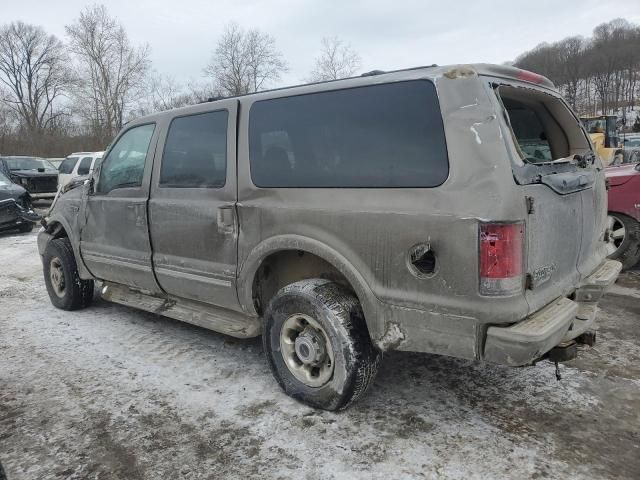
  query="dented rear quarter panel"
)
[{"x": 369, "y": 232}]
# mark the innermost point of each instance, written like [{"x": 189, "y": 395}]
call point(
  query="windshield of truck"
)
[
  {"x": 67, "y": 165},
  {"x": 28, "y": 163},
  {"x": 595, "y": 125}
]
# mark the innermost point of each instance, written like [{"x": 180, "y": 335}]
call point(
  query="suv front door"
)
[
  {"x": 114, "y": 240},
  {"x": 192, "y": 206}
]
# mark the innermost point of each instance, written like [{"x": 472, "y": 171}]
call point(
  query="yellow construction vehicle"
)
[{"x": 604, "y": 135}]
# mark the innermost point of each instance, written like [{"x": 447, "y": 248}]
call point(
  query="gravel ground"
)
[{"x": 114, "y": 393}]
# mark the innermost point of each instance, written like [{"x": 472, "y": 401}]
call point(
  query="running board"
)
[{"x": 203, "y": 315}]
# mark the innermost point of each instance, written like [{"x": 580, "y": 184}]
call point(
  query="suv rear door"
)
[
  {"x": 192, "y": 206},
  {"x": 565, "y": 196}
]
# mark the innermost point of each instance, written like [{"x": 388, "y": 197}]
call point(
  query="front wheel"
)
[
  {"x": 65, "y": 287},
  {"x": 318, "y": 345},
  {"x": 623, "y": 239}
]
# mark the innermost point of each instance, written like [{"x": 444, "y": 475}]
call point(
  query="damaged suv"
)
[{"x": 453, "y": 210}]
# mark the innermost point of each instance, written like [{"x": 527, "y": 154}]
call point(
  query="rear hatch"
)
[{"x": 562, "y": 185}]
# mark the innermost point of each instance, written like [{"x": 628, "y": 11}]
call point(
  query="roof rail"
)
[{"x": 372, "y": 73}]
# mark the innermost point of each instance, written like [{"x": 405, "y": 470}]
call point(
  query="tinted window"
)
[
  {"x": 124, "y": 165},
  {"x": 85, "y": 165},
  {"x": 377, "y": 136},
  {"x": 195, "y": 152},
  {"x": 67, "y": 165}
]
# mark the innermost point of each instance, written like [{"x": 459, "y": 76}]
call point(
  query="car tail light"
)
[{"x": 501, "y": 258}]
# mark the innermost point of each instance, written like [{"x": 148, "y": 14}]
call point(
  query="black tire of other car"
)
[
  {"x": 65, "y": 287},
  {"x": 338, "y": 314},
  {"x": 628, "y": 252},
  {"x": 26, "y": 227}
]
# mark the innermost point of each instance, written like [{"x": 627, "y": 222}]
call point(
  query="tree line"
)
[
  {"x": 597, "y": 75},
  {"x": 73, "y": 94},
  {"x": 59, "y": 96}
]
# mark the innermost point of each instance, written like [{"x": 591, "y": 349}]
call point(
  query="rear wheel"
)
[
  {"x": 623, "y": 239},
  {"x": 65, "y": 287},
  {"x": 317, "y": 344}
]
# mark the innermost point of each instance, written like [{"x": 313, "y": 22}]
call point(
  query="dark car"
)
[
  {"x": 623, "y": 229},
  {"x": 36, "y": 175},
  {"x": 15, "y": 207}
]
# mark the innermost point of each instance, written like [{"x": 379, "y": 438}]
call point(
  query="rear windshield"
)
[
  {"x": 67, "y": 165},
  {"x": 28, "y": 163},
  {"x": 387, "y": 135},
  {"x": 543, "y": 128}
]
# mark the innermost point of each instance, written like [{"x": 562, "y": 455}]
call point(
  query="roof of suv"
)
[{"x": 430, "y": 71}]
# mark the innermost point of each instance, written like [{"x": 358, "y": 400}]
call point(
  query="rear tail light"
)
[{"x": 501, "y": 258}]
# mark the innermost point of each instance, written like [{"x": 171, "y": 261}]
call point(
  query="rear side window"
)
[
  {"x": 387, "y": 135},
  {"x": 85, "y": 165},
  {"x": 195, "y": 152},
  {"x": 67, "y": 165}
]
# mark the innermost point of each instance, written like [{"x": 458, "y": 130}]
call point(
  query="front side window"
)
[
  {"x": 124, "y": 164},
  {"x": 195, "y": 152},
  {"x": 67, "y": 165},
  {"x": 377, "y": 136},
  {"x": 85, "y": 165}
]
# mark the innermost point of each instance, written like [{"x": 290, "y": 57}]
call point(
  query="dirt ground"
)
[{"x": 114, "y": 393}]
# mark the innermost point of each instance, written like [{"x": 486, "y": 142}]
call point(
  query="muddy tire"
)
[
  {"x": 628, "y": 251},
  {"x": 317, "y": 344},
  {"x": 65, "y": 287}
]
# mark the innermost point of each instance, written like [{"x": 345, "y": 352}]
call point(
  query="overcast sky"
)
[{"x": 387, "y": 33}]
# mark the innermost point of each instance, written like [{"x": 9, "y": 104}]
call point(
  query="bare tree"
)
[
  {"x": 600, "y": 74},
  {"x": 112, "y": 71},
  {"x": 33, "y": 70},
  {"x": 337, "y": 60},
  {"x": 167, "y": 93},
  {"x": 245, "y": 61}
]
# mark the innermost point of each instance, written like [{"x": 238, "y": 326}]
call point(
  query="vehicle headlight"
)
[{"x": 24, "y": 181}]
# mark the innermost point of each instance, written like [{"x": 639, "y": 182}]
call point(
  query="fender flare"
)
[
  {"x": 247, "y": 271},
  {"x": 83, "y": 271}
]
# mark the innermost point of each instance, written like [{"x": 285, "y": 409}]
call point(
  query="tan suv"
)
[{"x": 454, "y": 210}]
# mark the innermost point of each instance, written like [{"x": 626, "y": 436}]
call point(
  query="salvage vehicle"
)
[
  {"x": 623, "y": 222},
  {"x": 77, "y": 165},
  {"x": 36, "y": 175},
  {"x": 603, "y": 130},
  {"x": 16, "y": 211},
  {"x": 343, "y": 219}
]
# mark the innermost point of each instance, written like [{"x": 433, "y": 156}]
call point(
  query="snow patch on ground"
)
[{"x": 111, "y": 392}]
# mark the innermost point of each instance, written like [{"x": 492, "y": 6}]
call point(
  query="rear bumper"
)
[{"x": 560, "y": 321}]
